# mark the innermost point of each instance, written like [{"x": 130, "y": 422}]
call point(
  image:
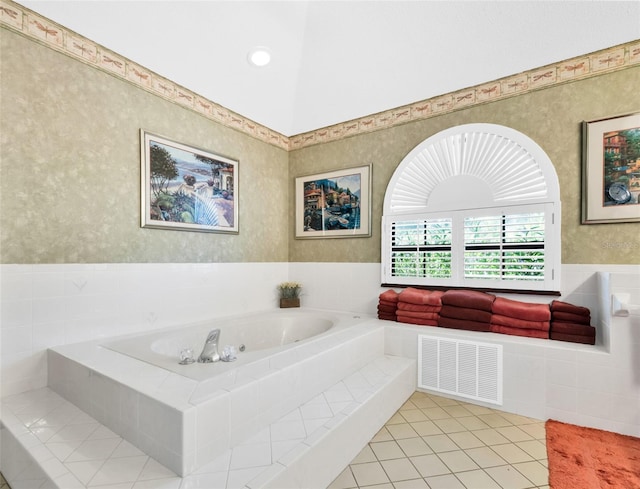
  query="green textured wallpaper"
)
[
  {"x": 70, "y": 167},
  {"x": 70, "y": 174},
  {"x": 551, "y": 117}
]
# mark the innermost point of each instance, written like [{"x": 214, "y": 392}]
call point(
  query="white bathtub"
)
[
  {"x": 253, "y": 337},
  {"x": 186, "y": 415}
]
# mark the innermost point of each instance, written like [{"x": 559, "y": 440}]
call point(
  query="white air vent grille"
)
[{"x": 465, "y": 368}]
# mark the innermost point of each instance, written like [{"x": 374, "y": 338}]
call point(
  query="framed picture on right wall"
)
[{"x": 611, "y": 170}]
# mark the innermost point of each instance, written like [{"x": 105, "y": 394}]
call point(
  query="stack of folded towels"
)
[
  {"x": 571, "y": 323},
  {"x": 466, "y": 309},
  {"x": 520, "y": 318},
  {"x": 387, "y": 305},
  {"x": 416, "y": 306}
]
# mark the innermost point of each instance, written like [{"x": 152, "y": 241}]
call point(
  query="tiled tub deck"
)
[{"x": 105, "y": 416}]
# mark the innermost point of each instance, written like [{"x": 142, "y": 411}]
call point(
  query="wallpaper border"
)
[{"x": 59, "y": 38}]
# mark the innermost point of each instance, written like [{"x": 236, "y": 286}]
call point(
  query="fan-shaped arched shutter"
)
[{"x": 469, "y": 176}]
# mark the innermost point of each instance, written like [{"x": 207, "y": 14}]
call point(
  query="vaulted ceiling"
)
[{"x": 334, "y": 61}]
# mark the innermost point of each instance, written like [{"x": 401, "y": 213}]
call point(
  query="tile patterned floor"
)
[
  {"x": 437, "y": 443},
  {"x": 433, "y": 443}
]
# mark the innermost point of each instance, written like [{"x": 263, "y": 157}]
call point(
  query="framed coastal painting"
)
[
  {"x": 611, "y": 170},
  {"x": 187, "y": 188},
  {"x": 335, "y": 204}
]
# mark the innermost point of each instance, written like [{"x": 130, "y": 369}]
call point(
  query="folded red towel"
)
[
  {"x": 566, "y": 307},
  {"x": 420, "y": 315},
  {"x": 573, "y": 338},
  {"x": 419, "y": 296},
  {"x": 387, "y": 303},
  {"x": 567, "y": 317},
  {"x": 388, "y": 317},
  {"x": 572, "y": 328},
  {"x": 407, "y": 306},
  {"x": 465, "y": 313},
  {"x": 520, "y": 323},
  {"x": 462, "y": 324},
  {"x": 417, "y": 321},
  {"x": 473, "y": 299},
  {"x": 389, "y": 295},
  {"x": 385, "y": 308},
  {"x": 521, "y": 310},
  {"x": 529, "y": 333}
]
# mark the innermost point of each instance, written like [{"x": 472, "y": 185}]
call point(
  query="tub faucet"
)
[{"x": 210, "y": 351}]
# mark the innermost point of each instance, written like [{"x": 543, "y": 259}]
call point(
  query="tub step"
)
[
  {"x": 377, "y": 391},
  {"x": 49, "y": 442}
]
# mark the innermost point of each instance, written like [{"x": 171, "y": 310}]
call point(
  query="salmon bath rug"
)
[{"x": 588, "y": 458}]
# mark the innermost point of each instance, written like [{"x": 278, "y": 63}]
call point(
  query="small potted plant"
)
[{"x": 290, "y": 294}]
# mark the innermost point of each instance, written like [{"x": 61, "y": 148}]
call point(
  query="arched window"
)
[{"x": 477, "y": 206}]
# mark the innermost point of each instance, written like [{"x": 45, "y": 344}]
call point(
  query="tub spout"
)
[{"x": 210, "y": 351}]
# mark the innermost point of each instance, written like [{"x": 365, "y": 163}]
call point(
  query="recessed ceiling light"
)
[{"x": 259, "y": 56}]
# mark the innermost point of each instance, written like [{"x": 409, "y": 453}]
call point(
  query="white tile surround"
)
[
  {"x": 47, "y": 442},
  {"x": 48, "y": 305},
  {"x": 184, "y": 423}
]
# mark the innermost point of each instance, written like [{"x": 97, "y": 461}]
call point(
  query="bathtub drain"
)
[{"x": 242, "y": 348}]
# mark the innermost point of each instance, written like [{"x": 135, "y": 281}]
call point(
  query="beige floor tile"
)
[
  {"x": 513, "y": 433},
  {"x": 408, "y": 405},
  {"x": 448, "y": 481},
  {"x": 399, "y": 431},
  {"x": 382, "y": 435},
  {"x": 436, "y": 413},
  {"x": 466, "y": 439},
  {"x": 426, "y": 428},
  {"x": 429, "y": 465},
  {"x": 485, "y": 457},
  {"x": 396, "y": 419},
  {"x": 512, "y": 453},
  {"x": 440, "y": 443},
  {"x": 400, "y": 469},
  {"x": 365, "y": 455},
  {"x": 424, "y": 402},
  {"x": 412, "y": 484},
  {"x": 344, "y": 481},
  {"x": 449, "y": 425},
  {"x": 386, "y": 450},
  {"x": 414, "y": 446},
  {"x": 418, "y": 395},
  {"x": 369, "y": 474},
  {"x": 536, "y": 430},
  {"x": 509, "y": 478},
  {"x": 477, "y": 479},
  {"x": 475, "y": 447},
  {"x": 494, "y": 420},
  {"x": 458, "y": 461},
  {"x": 518, "y": 419},
  {"x": 472, "y": 423},
  {"x": 473, "y": 408},
  {"x": 444, "y": 401},
  {"x": 413, "y": 415},
  {"x": 534, "y": 471},
  {"x": 457, "y": 411},
  {"x": 490, "y": 437}
]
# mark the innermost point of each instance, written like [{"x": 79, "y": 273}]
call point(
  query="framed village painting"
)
[
  {"x": 335, "y": 204},
  {"x": 611, "y": 170},
  {"x": 186, "y": 188}
]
